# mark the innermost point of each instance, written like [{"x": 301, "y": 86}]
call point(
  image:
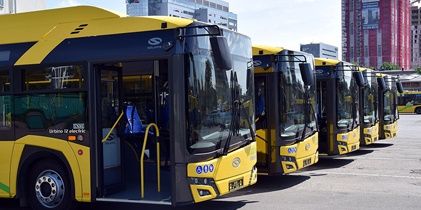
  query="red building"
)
[{"x": 376, "y": 31}]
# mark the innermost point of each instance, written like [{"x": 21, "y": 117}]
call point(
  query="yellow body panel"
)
[
  {"x": 264, "y": 50},
  {"x": 371, "y": 134},
  {"x": 6, "y": 149},
  {"x": 348, "y": 142},
  {"x": 79, "y": 163},
  {"x": 33, "y": 26},
  {"x": 223, "y": 170},
  {"x": 391, "y": 130},
  {"x": 305, "y": 154},
  {"x": 262, "y": 145}
]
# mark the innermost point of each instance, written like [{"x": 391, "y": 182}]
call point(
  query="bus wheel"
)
[
  {"x": 418, "y": 110},
  {"x": 48, "y": 187}
]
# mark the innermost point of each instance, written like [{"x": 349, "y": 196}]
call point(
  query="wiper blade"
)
[{"x": 234, "y": 119}]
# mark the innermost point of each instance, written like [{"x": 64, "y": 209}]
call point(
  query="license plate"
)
[
  {"x": 353, "y": 147},
  {"x": 306, "y": 162},
  {"x": 234, "y": 185}
]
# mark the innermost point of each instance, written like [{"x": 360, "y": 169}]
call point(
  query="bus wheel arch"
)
[
  {"x": 418, "y": 110},
  {"x": 55, "y": 167}
]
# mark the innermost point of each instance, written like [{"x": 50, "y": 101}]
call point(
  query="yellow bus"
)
[
  {"x": 286, "y": 129},
  {"x": 100, "y": 106},
  {"x": 338, "y": 84},
  {"x": 388, "y": 106},
  {"x": 368, "y": 107},
  {"x": 409, "y": 102}
]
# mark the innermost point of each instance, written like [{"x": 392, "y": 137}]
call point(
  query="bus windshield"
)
[
  {"x": 389, "y": 101},
  {"x": 295, "y": 112},
  {"x": 388, "y": 104},
  {"x": 346, "y": 111},
  {"x": 214, "y": 95},
  {"x": 370, "y": 98}
]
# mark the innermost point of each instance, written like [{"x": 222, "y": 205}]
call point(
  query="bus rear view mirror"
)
[
  {"x": 399, "y": 87},
  {"x": 358, "y": 76},
  {"x": 221, "y": 52},
  {"x": 307, "y": 73},
  {"x": 381, "y": 83}
]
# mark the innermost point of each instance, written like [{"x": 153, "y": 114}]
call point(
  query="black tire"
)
[
  {"x": 418, "y": 110},
  {"x": 48, "y": 187}
]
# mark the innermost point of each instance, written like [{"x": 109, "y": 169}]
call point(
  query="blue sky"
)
[{"x": 284, "y": 23}]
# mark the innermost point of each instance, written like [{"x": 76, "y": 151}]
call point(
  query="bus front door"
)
[
  {"x": 110, "y": 171},
  {"x": 139, "y": 90}
]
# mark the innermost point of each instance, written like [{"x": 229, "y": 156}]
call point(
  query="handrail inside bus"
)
[
  {"x": 112, "y": 128},
  {"x": 158, "y": 161}
]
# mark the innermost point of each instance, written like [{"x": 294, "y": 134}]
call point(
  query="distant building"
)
[
  {"x": 374, "y": 32},
  {"x": 411, "y": 81},
  {"x": 320, "y": 50},
  {"x": 16, "y": 6},
  {"x": 415, "y": 37},
  {"x": 210, "y": 11}
]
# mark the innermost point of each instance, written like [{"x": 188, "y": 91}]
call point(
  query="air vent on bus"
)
[{"x": 78, "y": 29}]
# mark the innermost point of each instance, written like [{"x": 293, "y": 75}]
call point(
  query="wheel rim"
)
[{"x": 49, "y": 188}]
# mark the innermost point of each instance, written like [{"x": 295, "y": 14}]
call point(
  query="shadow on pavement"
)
[
  {"x": 207, "y": 205},
  {"x": 329, "y": 163},
  {"x": 11, "y": 204},
  {"x": 271, "y": 183},
  {"x": 361, "y": 151},
  {"x": 378, "y": 145}
]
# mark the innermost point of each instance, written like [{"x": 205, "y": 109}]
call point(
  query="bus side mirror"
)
[
  {"x": 358, "y": 76},
  {"x": 381, "y": 83},
  {"x": 399, "y": 87},
  {"x": 221, "y": 52},
  {"x": 307, "y": 73}
]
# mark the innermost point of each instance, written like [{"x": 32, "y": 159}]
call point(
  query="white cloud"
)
[{"x": 69, "y": 3}]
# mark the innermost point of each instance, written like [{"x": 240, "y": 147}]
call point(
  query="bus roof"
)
[
  {"x": 363, "y": 69},
  {"x": 381, "y": 75},
  {"x": 46, "y": 29},
  {"x": 325, "y": 61},
  {"x": 366, "y": 68},
  {"x": 80, "y": 21},
  {"x": 266, "y": 50}
]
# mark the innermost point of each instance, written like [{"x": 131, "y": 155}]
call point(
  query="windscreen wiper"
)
[
  {"x": 234, "y": 120},
  {"x": 306, "y": 117}
]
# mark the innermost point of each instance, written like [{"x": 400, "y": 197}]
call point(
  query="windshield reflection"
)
[
  {"x": 390, "y": 97},
  {"x": 212, "y": 112},
  {"x": 347, "y": 111},
  {"x": 296, "y": 114},
  {"x": 370, "y": 98}
]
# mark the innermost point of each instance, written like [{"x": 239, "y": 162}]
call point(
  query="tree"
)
[
  {"x": 355, "y": 63},
  {"x": 389, "y": 66},
  {"x": 418, "y": 69}
]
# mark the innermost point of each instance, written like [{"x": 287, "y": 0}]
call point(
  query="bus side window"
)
[{"x": 35, "y": 119}]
